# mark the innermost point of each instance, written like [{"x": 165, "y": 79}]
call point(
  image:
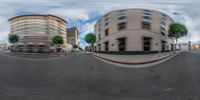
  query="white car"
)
[{"x": 87, "y": 52}]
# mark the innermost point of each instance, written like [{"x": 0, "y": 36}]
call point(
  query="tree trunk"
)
[
  {"x": 176, "y": 43},
  {"x": 92, "y": 47}
]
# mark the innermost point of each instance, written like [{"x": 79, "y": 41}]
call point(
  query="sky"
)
[{"x": 84, "y": 13}]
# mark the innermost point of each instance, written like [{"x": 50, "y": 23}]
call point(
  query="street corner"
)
[{"x": 136, "y": 61}]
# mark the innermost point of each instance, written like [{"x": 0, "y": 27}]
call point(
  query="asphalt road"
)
[{"x": 83, "y": 77}]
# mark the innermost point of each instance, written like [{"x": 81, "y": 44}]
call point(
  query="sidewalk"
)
[
  {"x": 134, "y": 59},
  {"x": 195, "y": 51}
]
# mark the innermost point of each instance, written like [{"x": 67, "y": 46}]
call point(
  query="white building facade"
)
[
  {"x": 133, "y": 31},
  {"x": 36, "y": 31}
]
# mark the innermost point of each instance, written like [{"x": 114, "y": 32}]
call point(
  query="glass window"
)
[
  {"x": 147, "y": 10},
  {"x": 106, "y": 15},
  {"x": 122, "y": 44},
  {"x": 163, "y": 23},
  {"x": 122, "y": 17},
  {"x": 164, "y": 15},
  {"x": 106, "y": 24},
  {"x": 162, "y": 30},
  {"x": 147, "y": 13},
  {"x": 121, "y": 26},
  {"x": 121, "y": 13},
  {"x": 99, "y": 36},
  {"x": 147, "y": 44},
  {"x": 106, "y": 19},
  {"x": 147, "y": 17},
  {"x": 146, "y": 25},
  {"x": 106, "y": 46},
  {"x": 121, "y": 10},
  {"x": 106, "y": 32}
]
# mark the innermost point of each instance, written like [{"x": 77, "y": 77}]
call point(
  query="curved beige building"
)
[
  {"x": 36, "y": 32},
  {"x": 133, "y": 31}
]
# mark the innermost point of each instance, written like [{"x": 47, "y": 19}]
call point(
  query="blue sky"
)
[{"x": 84, "y": 13}]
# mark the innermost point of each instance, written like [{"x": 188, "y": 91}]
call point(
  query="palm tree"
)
[{"x": 177, "y": 30}]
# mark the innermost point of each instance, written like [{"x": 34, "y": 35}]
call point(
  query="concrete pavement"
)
[{"x": 83, "y": 77}]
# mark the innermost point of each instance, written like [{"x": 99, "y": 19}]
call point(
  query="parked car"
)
[{"x": 87, "y": 52}]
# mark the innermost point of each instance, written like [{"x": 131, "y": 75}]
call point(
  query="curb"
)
[{"x": 135, "y": 63}]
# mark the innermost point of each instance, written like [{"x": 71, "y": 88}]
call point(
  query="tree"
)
[
  {"x": 91, "y": 39},
  {"x": 176, "y": 31},
  {"x": 13, "y": 38},
  {"x": 75, "y": 46},
  {"x": 58, "y": 39}
]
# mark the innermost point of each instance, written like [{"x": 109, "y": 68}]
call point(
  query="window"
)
[
  {"x": 147, "y": 13},
  {"x": 121, "y": 26},
  {"x": 121, "y": 14},
  {"x": 106, "y": 46},
  {"x": 164, "y": 15},
  {"x": 106, "y": 24},
  {"x": 95, "y": 48},
  {"x": 106, "y": 15},
  {"x": 106, "y": 32},
  {"x": 121, "y": 10},
  {"x": 163, "y": 46},
  {"x": 147, "y": 43},
  {"x": 163, "y": 19},
  {"x": 99, "y": 46},
  {"x": 99, "y": 36},
  {"x": 172, "y": 47},
  {"x": 147, "y": 17},
  {"x": 146, "y": 25},
  {"x": 99, "y": 25},
  {"x": 122, "y": 17},
  {"x": 147, "y": 10},
  {"x": 163, "y": 23},
  {"x": 99, "y": 21},
  {"x": 106, "y": 19},
  {"x": 122, "y": 44},
  {"x": 162, "y": 30}
]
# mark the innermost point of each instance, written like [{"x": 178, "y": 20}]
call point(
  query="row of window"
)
[
  {"x": 147, "y": 15},
  {"x": 37, "y": 27},
  {"x": 147, "y": 45},
  {"x": 37, "y": 22},
  {"x": 123, "y": 26}
]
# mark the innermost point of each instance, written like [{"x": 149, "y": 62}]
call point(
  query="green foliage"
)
[
  {"x": 90, "y": 38},
  {"x": 13, "y": 38},
  {"x": 177, "y": 30},
  {"x": 57, "y": 39},
  {"x": 75, "y": 46}
]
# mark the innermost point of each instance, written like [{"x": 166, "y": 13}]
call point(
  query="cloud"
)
[
  {"x": 85, "y": 29},
  {"x": 71, "y": 14}
]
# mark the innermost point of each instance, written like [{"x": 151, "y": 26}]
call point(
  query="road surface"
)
[{"x": 83, "y": 77}]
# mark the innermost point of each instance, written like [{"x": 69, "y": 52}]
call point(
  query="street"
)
[{"x": 83, "y": 77}]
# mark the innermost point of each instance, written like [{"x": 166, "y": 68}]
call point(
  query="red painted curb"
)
[{"x": 132, "y": 63}]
